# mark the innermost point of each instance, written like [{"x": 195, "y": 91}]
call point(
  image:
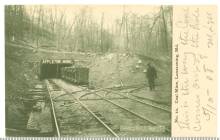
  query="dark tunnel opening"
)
[{"x": 52, "y": 68}]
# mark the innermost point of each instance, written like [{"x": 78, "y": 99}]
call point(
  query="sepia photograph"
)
[{"x": 88, "y": 70}]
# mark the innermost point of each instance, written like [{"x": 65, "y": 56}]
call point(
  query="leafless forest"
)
[{"x": 146, "y": 34}]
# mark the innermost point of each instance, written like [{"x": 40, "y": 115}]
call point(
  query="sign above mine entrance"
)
[{"x": 57, "y": 61}]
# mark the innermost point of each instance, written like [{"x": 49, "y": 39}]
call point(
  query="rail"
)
[
  {"x": 53, "y": 109},
  {"x": 158, "y": 107},
  {"x": 92, "y": 113},
  {"x": 137, "y": 115}
]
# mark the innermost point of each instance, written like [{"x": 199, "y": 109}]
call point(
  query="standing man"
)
[{"x": 151, "y": 76}]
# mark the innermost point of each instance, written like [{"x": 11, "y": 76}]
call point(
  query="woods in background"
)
[{"x": 149, "y": 35}]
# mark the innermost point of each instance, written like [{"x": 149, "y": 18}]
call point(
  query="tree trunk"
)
[{"x": 165, "y": 35}]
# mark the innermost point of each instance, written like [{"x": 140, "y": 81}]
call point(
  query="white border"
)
[
  {"x": 149, "y": 2},
  {"x": 218, "y": 73}
]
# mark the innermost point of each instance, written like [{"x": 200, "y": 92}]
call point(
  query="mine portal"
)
[{"x": 51, "y": 68}]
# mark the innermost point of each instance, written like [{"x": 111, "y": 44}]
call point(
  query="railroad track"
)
[
  {"x": 50, "y": 84},
  {"x": 149, "y": 101},
  {"x": 99, "y": 118},
  {"x": 132, "y": 112},
  {"x": 139, "y": 101},
  {"x": 49, "y": 88}
]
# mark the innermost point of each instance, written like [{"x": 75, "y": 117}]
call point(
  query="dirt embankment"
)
[
  {"x": 122, "y": 69},
  {"x": 125, "y": 70},
  {"x": 19, "y": 78}
]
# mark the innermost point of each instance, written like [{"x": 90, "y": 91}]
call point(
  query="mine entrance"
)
[{"x": 51, "y": 68}]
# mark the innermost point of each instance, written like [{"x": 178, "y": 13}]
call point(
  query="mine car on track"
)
[{"x": 76, "y": 75}]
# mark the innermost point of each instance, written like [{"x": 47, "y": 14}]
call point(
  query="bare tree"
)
[
  {"x": 101, "y": 33},
  {"x": 165, "y": 35}
]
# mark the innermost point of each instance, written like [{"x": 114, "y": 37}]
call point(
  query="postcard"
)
[{"x": 111, "y": 70}]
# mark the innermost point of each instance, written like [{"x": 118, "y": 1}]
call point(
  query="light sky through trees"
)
[{"x": 111, "y": 12}]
